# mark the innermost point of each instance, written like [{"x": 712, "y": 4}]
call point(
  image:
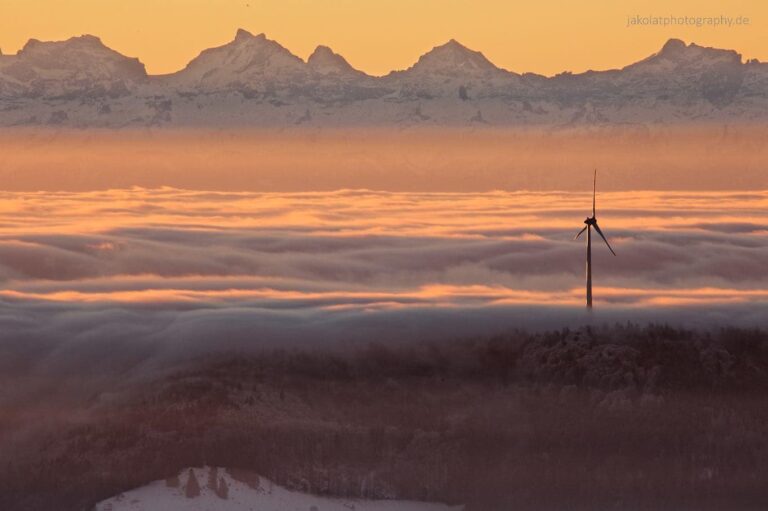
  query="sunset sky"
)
[{"x": 547, "y": 36}]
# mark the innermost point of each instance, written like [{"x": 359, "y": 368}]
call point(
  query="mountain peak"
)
[
  {"x": 83, "y": 41},
  {"x": 676, "y": 53},
  {"x": 322, "y": 52},
  {"x": 76, "y": 66},
  {"x": 87, "y": 39},
  {"x": 325, "y": 61},
  {"x": 673, "y": 46},
  {"x": 677, "y": 50},
  {"x": 245, "y": 61},
  {"x": 242, "y": 35},
  {"x": 454, "y": 58},
  {"x": 452, "y": 46},
  {"x": 453, "y": 43}
]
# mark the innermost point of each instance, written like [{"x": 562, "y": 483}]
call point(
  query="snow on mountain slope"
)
[
  {"x": 216, "y": 489},
  {"x": 688, "y": 72},
  {"x": 78, "y": 66},
  {"x": 259, "y": 69},
  {"x": 325, "y": 61},
  {"x": 247, "y": 62},
  {"x": 453, "y": 70},
  {"x": 755, "y": 82},
  {"x": 453, "y": 59},
  {"x": 676, "y": 53},
  {"x": 695, "y": 78},
  {"x": 254, "y": 81}
]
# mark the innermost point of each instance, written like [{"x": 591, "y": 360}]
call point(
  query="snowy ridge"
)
[
  {"x": 254, "y": 81},
  {"x": 247, "y": 61},
  {"x": 453, "y": 58},
  {"x": 217, "y": 489},
  {"x": 80, "y": 65}
]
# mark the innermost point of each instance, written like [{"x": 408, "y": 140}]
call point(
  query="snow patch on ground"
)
[{"x": 215, "y": 489}]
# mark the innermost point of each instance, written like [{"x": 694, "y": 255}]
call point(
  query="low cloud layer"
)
[{"x": 133, "y": 275}]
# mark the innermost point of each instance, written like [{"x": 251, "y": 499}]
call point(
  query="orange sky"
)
[
  {"x": 385, "y": 159},
  {"x": 544, "y": 36}
]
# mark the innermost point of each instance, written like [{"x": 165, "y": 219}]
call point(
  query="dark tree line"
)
[{"x": 623, "y": 417}]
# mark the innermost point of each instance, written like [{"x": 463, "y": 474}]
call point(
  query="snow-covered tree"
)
[
  {"x": 192, "y": 488},
  {"x": 213, "y": 478},
  {"x": 223, "y": 490}
]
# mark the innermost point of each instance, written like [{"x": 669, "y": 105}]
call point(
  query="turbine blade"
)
[
  {"x": 597, "y": 228},
  {"x": 580, "y": 232},
  {"x": 594, "y": 192}
]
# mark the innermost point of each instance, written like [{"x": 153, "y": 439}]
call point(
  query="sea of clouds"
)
[{"x": 123, "y": 277}]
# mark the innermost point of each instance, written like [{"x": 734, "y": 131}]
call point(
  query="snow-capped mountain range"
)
[{"x": 254, "y": 81}]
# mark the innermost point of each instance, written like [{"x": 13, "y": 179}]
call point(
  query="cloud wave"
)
[{"x": 151, "y": 270}]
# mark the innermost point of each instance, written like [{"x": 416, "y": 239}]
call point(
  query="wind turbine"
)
[{"x": 592, "y": 222}]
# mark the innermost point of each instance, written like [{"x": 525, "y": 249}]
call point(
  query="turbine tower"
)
[{"x": 592, "y": 222}]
